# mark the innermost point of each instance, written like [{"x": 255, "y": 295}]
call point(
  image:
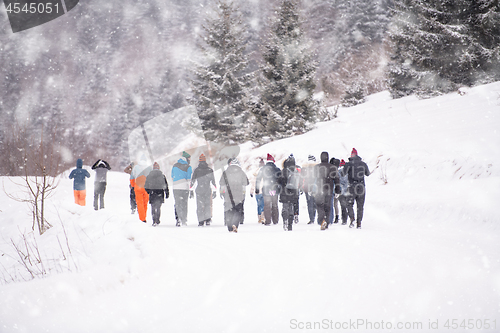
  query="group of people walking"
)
[
  {"x": 331, "y": 189},
  {"x": 325, "y": 185},
  {"x": 187, "y": 183}
]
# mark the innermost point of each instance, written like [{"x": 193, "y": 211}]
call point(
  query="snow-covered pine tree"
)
[
  {"x": 286, "y": 105},
  {"x": 349, "y": 36},
  {"x": 220, "y": 85},
  {"x": 428, "y": 40},
  {"x": 440, "y": 45},
  {"x": 482, "y": 18}
]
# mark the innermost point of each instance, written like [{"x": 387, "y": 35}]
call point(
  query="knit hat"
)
[
  {"x": 186, "y": 155},
  {"x": 233, "y": 161},
  {"x": 311, "y": 158},
  {"x": 156, "y": 166},
  {"x": 270, "y": 158},
  {"x": 203, "y": 158},
  {"x": 354, "y": 152},
  {"x": 342, "y": 163}
]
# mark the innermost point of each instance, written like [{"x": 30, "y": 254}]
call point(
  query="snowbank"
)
[{"x": 427, "y": 253}]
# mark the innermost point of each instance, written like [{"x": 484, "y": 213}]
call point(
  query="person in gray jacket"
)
[
  {"x": 157, "y": 187},
  {"x": 101, "y": 168},
  {"x": 233, "y": 185},
  {"x": 203, "y": 178}
]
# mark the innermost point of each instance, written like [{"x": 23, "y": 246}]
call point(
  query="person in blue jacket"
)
[
  {"x": 181, "y": 178},
  {"x": 79, "y": 174}
]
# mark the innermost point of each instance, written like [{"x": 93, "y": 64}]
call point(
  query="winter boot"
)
[
  {"x": 324, "y": 225},
  {"x": 336, "y": 219},
  {"x": 234, "y": 228},
  {"x": 200, "y": 224},
  {"x": 310, "y": 222},
  {"x": 352, "y": 224},
  {"x": 177, "y": 223},
  {"x": 296, "y": 219},
  {"x": 207, "y": 222}
]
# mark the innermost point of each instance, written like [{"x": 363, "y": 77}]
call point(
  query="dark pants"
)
[
  {"x": 287, "y": 213},
  {"x": 233, "y": 216},
  {"x": 203, "y": 206},
  {"x": 334, "y": 209},
  {"x": 343, "y": 208},
  {"x": 133, "y": 204},
  {"x": 296, "y": 207},
  {"x": 323, "y": 207},
  {"x": 311, "y": 206},
  {"x": 181, "y": 204},
  {"x": 156, "y": 211},
  {"x": 156, "y": 199},
  {"x": 99, "y": 189},
  {"x": 271, "y": 211},
  {"x": 356, "y": 194}
]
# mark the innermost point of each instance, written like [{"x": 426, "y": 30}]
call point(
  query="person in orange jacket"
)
[{"x": 138, "y": 178}]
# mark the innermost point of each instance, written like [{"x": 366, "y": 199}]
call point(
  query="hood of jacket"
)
[
  {"x": 324, "y": 157},
  {"x": 203, "y": 165},
  {"x": 182, "y": 160},
  {"x": 79, "y": 163},
  {"x": 355, "y": 158}
]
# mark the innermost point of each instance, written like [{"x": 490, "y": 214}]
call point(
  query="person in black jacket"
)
[
  {"x": 233, "y": 185},
  {"x": 157, "y": 188},
  {"x": 356, "y": 170},
  {"x": 268, "y": 178},
  {"x": 327, "y": 181},
  {"x": 203, "y": 176},
  {"x": 290, "y": 190}
]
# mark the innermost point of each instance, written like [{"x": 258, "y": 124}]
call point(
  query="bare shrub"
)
[{"x": 34, "y": 163}]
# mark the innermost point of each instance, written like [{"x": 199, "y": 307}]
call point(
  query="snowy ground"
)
[{"x": 426, "y": 260}]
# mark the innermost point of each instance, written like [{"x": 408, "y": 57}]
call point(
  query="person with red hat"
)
[
  {"x": 203, "y": 178},
  {"x": 356, "y": 170},
  {"x": 268, "y": 178}
]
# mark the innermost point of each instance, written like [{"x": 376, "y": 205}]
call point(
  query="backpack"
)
[{"x": 292, "y": 181}]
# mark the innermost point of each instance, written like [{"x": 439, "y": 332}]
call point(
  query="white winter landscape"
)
[{"x": 426, "y": 259}]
